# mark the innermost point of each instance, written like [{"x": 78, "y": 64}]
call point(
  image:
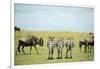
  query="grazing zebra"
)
[
  {"x": 60, "y": 45},
  {"x": 51, "y": 43},
  {"x": 69, "y": 45}
]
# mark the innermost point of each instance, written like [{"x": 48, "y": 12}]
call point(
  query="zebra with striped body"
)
[
  {"x": 69, "y": 45},
  {"x": 60, "y": 45},
  {"x": 51, "y": 44}
]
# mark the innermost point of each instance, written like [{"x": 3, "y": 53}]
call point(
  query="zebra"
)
[
  {"x": 51, "y": 43},
  {"x": 69, "y": 45},
  {"x": 60, "y": 45}
]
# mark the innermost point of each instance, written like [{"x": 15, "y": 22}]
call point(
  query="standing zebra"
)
[
  {"x": 60, "y": 45},
  {"x": 51, "y": 44},
  {"x": 69, "y": 45}
]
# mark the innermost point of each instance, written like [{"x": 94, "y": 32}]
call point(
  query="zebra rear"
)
[{"x": 69, "y": 45}]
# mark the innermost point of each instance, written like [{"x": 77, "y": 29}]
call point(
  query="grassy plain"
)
[{"x": 21, "y": 59}]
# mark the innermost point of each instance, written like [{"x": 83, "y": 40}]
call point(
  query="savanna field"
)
[{"x": 42, "y": 57}]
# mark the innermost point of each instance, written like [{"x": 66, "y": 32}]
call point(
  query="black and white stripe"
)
[
  {"x": 69, "y": 45},
  {"x": 51, "y": 44},
  {"x": 60, "y": 45}
]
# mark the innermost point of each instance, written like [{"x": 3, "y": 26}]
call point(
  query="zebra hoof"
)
[
  {"x": 50, "y": 58},
  {"x": 58, "y": 58},
  {"x": 70, "y": 57},
  {"x": 67, "y": 57}
]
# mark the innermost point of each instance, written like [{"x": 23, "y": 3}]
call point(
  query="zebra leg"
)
[
  {"x": 36, "y": 49},
  {"x": 61, "y": 54},
  {"x": 23, "y": 50},
  {"x": 66, "y": 54},
  {"x": 70, "y": 54},
  {"x": 51, "y": 54},
  {"x": 30, "y": 49},
  {"x": 58, "y": 54}
]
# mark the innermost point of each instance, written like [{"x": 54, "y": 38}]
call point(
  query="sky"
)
[{"x": 54, "y": 18}]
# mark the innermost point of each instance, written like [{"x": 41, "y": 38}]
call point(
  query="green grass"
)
[{"x": 21, "y": 59}]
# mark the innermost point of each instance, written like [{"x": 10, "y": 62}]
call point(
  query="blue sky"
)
[{"x": 54, "y": 18}]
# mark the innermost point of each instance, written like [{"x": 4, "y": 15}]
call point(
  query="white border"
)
[{"x": 47, "y": 2}]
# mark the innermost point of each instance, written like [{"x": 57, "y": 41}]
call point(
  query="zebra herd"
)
[
  {"x": 59, "y": 44},
  {"x": 69, "y": 43}
]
